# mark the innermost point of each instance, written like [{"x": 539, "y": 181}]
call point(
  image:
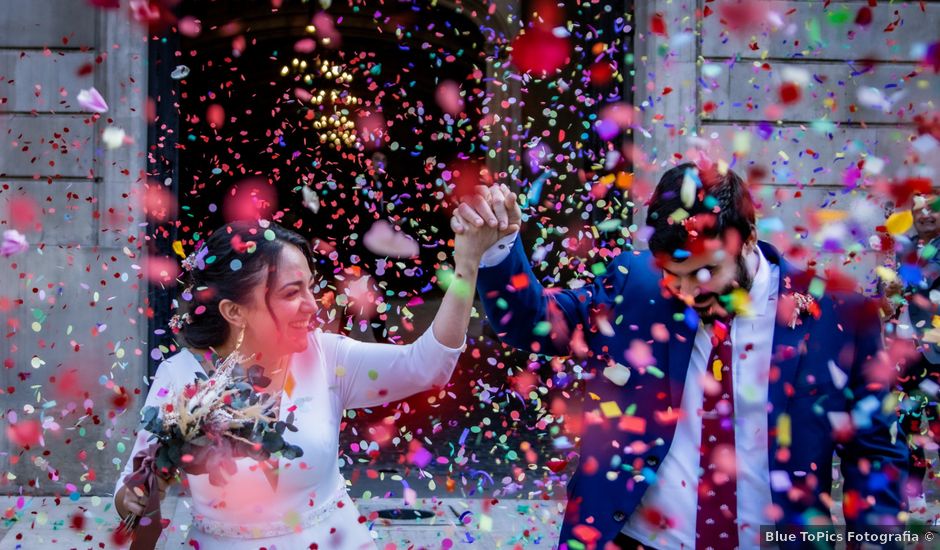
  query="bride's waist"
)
[{"x": 281, "y": 518}]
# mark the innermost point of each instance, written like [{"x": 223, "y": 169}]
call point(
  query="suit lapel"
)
[
  {"x": 785, "y": 362},
  {"x": 680, "y": 353},
  {"x": 786, "y": 350}
]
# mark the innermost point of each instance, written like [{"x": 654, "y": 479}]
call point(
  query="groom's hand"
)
[{"x": 483, "y": 219}]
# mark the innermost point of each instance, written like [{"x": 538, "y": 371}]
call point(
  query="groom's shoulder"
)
[
  {"x": 632, "y": 272},
  {"x": 634, "y": 264},
  {"x": 839, "y": 298}
]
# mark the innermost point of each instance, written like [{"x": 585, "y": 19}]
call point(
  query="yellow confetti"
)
[
  {"x": 825, "y": 216},
  {"x": 716, "y": 369},
  {"x": 784, "y": 435},
  {"x": 742, "y": 143},
  {"x": 886, "y": 274},
  {"x": 899, "y": 222},
  {"x": 741, "y": 302},
  {"x": 611, "y": 409},
  {"x": 178, "y": 248},
  {"x": 723, "y": 167}
]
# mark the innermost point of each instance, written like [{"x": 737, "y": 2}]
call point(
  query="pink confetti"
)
[
  {"x": 13, "y": 243},
  {"x": 91, "y": 100}
]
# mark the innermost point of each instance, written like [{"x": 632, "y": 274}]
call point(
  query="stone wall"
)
[
  {"x": 71, "y": 305},
  {"x": 803, "y": 155}
]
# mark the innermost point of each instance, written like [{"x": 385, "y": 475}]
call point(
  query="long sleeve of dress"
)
[{"x": 368, "y": 374}]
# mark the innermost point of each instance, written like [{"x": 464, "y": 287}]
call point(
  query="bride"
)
[{"x": 253, "y": 290}]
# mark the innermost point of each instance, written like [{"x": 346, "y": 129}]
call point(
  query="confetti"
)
[
  {"x": 611, "y": 409},
  {"x": 113, "y": 137},
  {"x": 180, "y": 72},
  {"x": 91, "y": 100},
  {"x": 383, "y": 240},
  {"x": 360, "y": 126},
  {"x": 13, "y": 243}
]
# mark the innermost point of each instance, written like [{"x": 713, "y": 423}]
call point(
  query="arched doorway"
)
[{"x": 278, "y": 97}]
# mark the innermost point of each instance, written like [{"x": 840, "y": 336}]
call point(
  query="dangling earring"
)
[{"x": 240, "y": 339}]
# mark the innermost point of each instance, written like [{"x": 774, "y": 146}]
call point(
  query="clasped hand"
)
[{"x": 482, "y": 219}]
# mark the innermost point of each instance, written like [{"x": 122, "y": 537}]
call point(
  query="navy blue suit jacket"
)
[{"x": 609, "y": 483}]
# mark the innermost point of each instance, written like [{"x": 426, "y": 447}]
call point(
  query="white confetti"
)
[{"x": 113, "y": 137}]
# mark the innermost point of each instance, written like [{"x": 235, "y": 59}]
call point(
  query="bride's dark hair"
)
[{"x": 235, "y": 258}]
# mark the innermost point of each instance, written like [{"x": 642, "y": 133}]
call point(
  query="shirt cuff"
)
[{"x": 495, "y": 254}]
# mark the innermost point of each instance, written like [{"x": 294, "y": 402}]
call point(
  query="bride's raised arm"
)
[{"x": 369, "y": 374}]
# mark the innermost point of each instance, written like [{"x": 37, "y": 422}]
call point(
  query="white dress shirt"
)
[
  {"x": 499, "y": 251},
  {"x": 674, "y": 494}
]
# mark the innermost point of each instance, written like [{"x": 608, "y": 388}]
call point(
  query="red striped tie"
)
[{"x": 716, "y": 519}]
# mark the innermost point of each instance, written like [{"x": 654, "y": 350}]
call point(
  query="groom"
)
[{"x": 721, "y": 378}]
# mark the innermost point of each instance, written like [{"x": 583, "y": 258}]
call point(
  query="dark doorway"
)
[
  {"x": 235, "y": 112},
  {"x": 256, "y": 101}
]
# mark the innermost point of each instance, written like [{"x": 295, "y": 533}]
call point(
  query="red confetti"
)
[
  {"x": 540, "y": 52},
  {"x": 789, "y": 93},
  {"x": 23, "y": 214},
  {"x": 215, "y": 115},
  {"x": 557, "y": 465},
  {"x": 863, "y": 17},
  {"x": 601, "y": 73},
  {"x": 77, "y": 521},
  {"x": 658, "y": 24},
  {"x": 589, "y": 535},
  {"x": 932, "y": 57},
  {"x": 741, "y": 16},
  {"x": 25, "y": 433},
  {"x": 250, "y": 200}
]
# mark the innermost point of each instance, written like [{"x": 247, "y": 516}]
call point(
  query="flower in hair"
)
[
  {"x": 177, "y": 321},
  {"x": 196, "y": 259}
]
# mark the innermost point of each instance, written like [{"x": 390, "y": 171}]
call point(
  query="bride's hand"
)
[{"x": 134, "y": 500}]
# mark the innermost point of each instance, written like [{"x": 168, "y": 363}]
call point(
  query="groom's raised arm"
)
[{"x": 531, "y": 317}]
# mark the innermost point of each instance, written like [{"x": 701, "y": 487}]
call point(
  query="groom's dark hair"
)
[{"x": 720, "y": 202}]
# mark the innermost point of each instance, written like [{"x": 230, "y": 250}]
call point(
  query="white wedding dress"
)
[{"x": 310, "y": 504}]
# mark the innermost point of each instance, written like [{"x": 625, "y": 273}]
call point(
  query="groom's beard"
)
[{"x": 710, "y": 307}]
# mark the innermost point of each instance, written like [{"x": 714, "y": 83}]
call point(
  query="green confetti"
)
[
  {"x": 542, "y": 329},
  {"x": 839, "y": 16},
  {"x": 817, "y": 288},
  {"x": 813, "y": 32}
]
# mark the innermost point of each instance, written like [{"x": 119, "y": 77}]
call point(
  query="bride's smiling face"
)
[{"x": 279, "y": 317}]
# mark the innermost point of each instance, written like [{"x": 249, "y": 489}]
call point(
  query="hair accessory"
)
[
  {"x": 196, "y": 260},
  {"x": 177, "y": 321},
  {"x": 189, "y": 262}
]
